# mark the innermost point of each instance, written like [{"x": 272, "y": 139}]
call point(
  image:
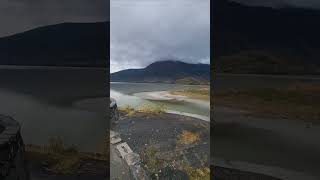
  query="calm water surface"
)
[{"x": 42, "y": 100}]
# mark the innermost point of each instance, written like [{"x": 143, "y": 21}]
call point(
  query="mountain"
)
[
  {"x": 252, "y": 39},
  {"x": 67, "y": 44},
  {"x": 166, "y": 72}
]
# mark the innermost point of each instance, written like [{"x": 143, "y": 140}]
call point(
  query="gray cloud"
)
[
  {"x": 21, "y": 15},
  {"x": 144, "y": 31},
  {"x": 276, "y": 3}
]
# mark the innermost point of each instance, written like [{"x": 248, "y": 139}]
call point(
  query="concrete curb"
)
[{"x": 132, "y": 159}]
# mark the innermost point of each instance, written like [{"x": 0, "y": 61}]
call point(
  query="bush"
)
[
  {"x": 188, "y": 137},
  {"x": 198, "y": 173}
]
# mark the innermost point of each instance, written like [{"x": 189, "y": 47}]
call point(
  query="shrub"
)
[{"x": 188, "y": 137}]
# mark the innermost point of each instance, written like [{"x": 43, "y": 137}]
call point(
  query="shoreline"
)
[
  {"x": 167, "y": 96},
  {"x": 123, "y": 82}
]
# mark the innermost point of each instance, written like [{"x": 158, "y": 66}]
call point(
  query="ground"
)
[
  {"x": 47, "y": 163},
  {"x": 161, "y": 139}
]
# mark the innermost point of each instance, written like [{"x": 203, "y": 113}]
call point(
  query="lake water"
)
[
  {"x": 132, "y": 94},
  {"x": 44, "y": 100}
]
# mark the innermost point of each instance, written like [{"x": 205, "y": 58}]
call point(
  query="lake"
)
[
  {"x": 134, "y": 94},
  {"x": 44, "y": 101}
]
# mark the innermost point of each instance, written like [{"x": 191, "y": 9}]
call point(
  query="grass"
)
[
  {"x": 128, "y": 110},
  {"x": 192, "y": 81},
  {"x": 68, "y": 165},
  {"x": 188, "y": 137},
  {"x": 201, "y": 93},
  {"x": 148, "y": 109},
  {"x": 296, "y": 101},
  {"x": 153, "y": 163},
  {"x": 59, "y": 157},
  {"x": 198, "y": 173},
  {"x": 151, "y": 109}
]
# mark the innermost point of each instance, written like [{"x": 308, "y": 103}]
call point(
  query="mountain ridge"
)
[
  {"x": 166, "y": 71},
  {"x": 266, "y": 40},
  {"x": 65, "y": 44}
]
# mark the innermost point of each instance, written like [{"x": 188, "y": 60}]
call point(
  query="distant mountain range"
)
[
  {"x": 166, "y": 72},
  {"x": 265, "y": 40},
  {"x": 67, "y": 44}
]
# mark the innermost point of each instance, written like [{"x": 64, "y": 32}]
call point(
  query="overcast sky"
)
[
  {"x": 144, "y": 31},
  {"x": 20, "y": 15},
  {"x": 275, "y": 3}
]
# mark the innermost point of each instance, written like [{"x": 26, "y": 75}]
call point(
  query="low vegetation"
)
[
  {"x": 192, "y": 81},
  {"x": 148, "y": 109},
  {"x": 128, "y": 110},
  {"x": 188, "y": 137},
  {"x": 153, "y": 162},
  {"x": 297, "y": 101},
  {"x": 59, "y": 158},
  {"x": 198, "y": 173},
  {"x": 155, "y": 165},
  {"x": 263, "y": 62},
  {"x": 202, "y": 93},
  {"x": 151, "y": 109}
]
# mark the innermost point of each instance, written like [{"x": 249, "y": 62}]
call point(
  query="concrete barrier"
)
[
  {"x": 13, "y": 164},
  {"x": 131, "y": 159}
]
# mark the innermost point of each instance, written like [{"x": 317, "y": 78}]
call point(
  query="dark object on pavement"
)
[{"x": 114, "y": 114}]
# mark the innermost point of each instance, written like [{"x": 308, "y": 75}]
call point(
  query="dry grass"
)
[
  {"x": 188, "y": 137},
  {"x": 198, "y": 173},
  {"x": 151, "y": 109},
  {"x": 59, "y": 162},
  {"x": 147, "y": 109},
  {"x": 60, "y": 158},
  {"x": 151, "y": 159},
  {"x": 202, "y": 93},
  {"x": 297, "y": 101},
  {"x": 128, "y": 110},
  {"x": 67, "y": 165}
]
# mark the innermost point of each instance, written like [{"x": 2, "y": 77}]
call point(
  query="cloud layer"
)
[
  {"x": 20, "y": 15},
  {"x": 146, "y": 31}
]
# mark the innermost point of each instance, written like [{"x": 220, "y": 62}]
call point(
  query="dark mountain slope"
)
[
  {"x": 67, "y": 44},
  {"x": 265, "y": 40},
  {"x": 166, "y": 71}
]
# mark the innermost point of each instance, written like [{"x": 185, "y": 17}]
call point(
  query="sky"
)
[
  {"x": 145, "y": 31},
  {"x": 315, "y": 4},
  {"x": 21, "y": 15}
]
